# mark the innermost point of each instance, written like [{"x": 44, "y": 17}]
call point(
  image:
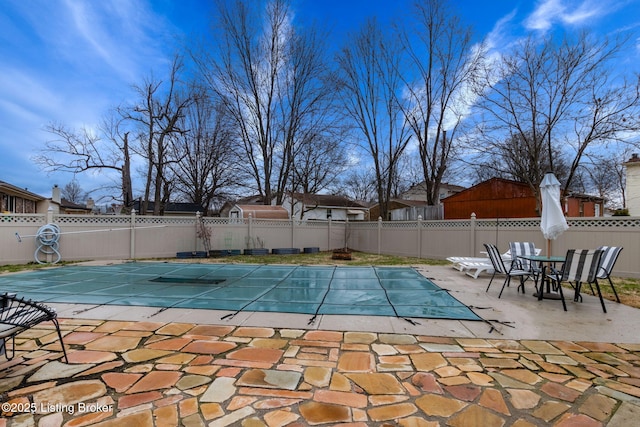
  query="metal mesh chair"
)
[
  {"x": 18, "y": 315},
  {"x": 580, "y": 266},
  {"x": 607, "y": 261},
  {"x": 499, "y": 267}
]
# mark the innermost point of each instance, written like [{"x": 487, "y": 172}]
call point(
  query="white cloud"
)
[{"x": 565, "y": 12}]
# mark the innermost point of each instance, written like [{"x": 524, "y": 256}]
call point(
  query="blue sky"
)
[{"x": 70, "y": 61}]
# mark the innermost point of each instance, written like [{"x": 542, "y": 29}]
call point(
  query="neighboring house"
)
[
  {"x": 632, "y": 190},
  {"x": 67, "y": 207},
  {"x": 237, "y": 211},
  {"x": 18, "y": 200},
  {"x": 322, "y": 207},
  {"x": 172, "y": 209},
  {"x": 419, "y": 191},
  {"x": 408, "y": 210},
  {"x": 503, "y": 198},
  {"x": 583, "y": 205}
]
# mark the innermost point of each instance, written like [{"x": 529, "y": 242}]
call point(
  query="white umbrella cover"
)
[{"x": 553, "y": 222}]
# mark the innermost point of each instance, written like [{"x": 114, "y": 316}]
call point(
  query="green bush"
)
[{"x": 621, "y": 212}]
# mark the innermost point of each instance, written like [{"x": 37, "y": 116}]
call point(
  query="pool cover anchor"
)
[{"x": 501, "y": 322}]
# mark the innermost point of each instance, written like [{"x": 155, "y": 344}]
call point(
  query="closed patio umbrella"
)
[{"x": 553, "y": 222}]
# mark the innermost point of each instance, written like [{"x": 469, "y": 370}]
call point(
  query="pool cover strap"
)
[
  {"x": 386, "y": 294},
  {"x": 313, "y": 318}
]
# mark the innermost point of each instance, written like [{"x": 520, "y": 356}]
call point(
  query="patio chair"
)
[
  {"x": 519, "y": 249},
  {"x": 580, "y": 266},
  {"x": 18, "y": 315},
  {"x": 500, "y": 268},
  {"x": 607, "y": 261}
]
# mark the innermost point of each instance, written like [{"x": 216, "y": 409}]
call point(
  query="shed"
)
[
  {"x": 258, "y": 212},
  {"x": 503, "y": 198},
  {"x": 494, "y": 198}
]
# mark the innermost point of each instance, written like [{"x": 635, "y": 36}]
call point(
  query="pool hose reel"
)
[{"x": 47, "y": 239}]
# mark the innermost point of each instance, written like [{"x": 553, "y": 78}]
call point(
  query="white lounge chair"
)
[{"x": 473, "y": 266}]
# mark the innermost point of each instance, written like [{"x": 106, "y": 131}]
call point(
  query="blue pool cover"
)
[{"x": 314, "y": 290}]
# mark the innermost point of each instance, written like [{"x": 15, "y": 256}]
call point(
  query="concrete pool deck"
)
[{"x": 137, "y": 366}]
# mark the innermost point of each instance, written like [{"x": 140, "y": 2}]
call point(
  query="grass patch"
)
[
  {"x": 324, "y": 258},
  {"x": 628, "y": 290},
  {"x": 16, "y": 268}
]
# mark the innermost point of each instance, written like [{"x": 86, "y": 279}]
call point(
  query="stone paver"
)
[{"x": 167, "y": 374}]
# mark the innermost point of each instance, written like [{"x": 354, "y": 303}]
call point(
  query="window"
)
[
  {"x": 8, "y": 203},
  {"x": 328, "y": 213}
]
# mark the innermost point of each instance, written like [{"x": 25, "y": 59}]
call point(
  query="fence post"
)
[
  {"x": 472, "y": 232},
  {"x": 197, "y": 225},
  {"x": 293, "y": 233},
  {"x": 132, "y": 235},
  {"x": 249, "y": 241},
  {"x": 419, "y": 233},
  {"x": 379, "y": 234}
]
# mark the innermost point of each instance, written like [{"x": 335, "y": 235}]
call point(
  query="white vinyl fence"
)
[{"x": 103, "y": 237}]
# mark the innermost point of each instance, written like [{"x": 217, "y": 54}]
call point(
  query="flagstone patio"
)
[{"x": 144, "y": 367}]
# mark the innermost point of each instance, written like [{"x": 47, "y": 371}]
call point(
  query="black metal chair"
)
[
  {"x": 580, "y": 266},
  {"x": 607, "y": 261},
  {"x": 522, "y": 249},
  {"x": 499, "y": 267},
  {"x": 18, "y": 315}
]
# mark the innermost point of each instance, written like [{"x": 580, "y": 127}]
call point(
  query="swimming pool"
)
[{"x": 314, "y": 290}]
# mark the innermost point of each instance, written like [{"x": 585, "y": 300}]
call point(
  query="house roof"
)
[
  {"x": 443, "y": 185},
  {"x": 5, "y": 187},
  {"x": 327, "y": 200},
  {"x": 589, "y": 197},
  {"x": 401, "y": 203},
  {"x": 66, "y": 204},
  {"x": 173, "y": 207},
  {"x": 263, "y": 211}
]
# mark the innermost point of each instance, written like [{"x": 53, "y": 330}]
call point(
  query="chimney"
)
[
  {"x": 55, "y": 194},
  {"x": 90, "y": 203}
]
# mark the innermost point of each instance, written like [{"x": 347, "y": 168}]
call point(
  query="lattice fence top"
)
[
  {"x": 165, "y": 220},
  {"x": 362, "y": 225},
  {"x": 616, "y": 222},
  {"x": 35, "y": 219},
  {"x": 94, "y": 220},
  {"x": 508, "y": 223},
  {"x": 211, "y": 221},
  {"x": 140, "y": 220},
  {"x": 446, "y": 224}
]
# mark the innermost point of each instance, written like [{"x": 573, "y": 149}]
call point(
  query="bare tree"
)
[
  {"x": 318, "y": 164},
  {"x": 369, "y": 72},
  {"x": 358, "y": 184},
  {"x": 206, "y": 166},
  {"x": 113, "y": 127},
  {"x": 73, "y": 192},
  {"x": 445, "y": 66},
  {"x": 271, "y": 79},
  {"x": 84, "y": 150},
  {"x": 157, "y": 116},
  {"x": 606, "y": 176},
  {"x": 558, "y": 101}
]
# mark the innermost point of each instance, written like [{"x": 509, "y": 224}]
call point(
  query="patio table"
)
[{"x": 545, "y": 263}]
